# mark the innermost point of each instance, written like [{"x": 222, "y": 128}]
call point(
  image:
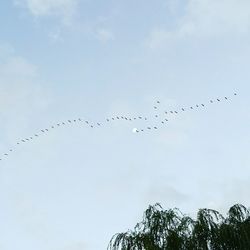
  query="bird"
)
[
  {"x": 113, "y": 118},
  {"x": 52, "y": 126},
  {"x": 156, "y": 116},
  {"x": 218, "y": 100},
  {"x": 140, "y": 117},
  {"x": 211, "y": 101},
  {"x": 134, "y": 118},
  {"x": 155, "y": 107},
  {"x": 58, "y": 124},
  {"x": 117, "y": 117},
  {"x": 79, "y": 119},
  {"x": 23, "y": 140},
  {"x": 27, "y": 139},
  {"x": 171, "y": 112},
  {"x": 148, "y": 128},
  {"x": 46, "y": 129},
  {"x": 142, "y": 130},
  {"x": 98, "y": 124},
  {"x": 18, "y": 143},
  {"x": 130, "y": 119},
  {"x": 43, "y": 131},
  {"x": 91, "y": 126},
  {"x": 69, "y": 121},
  {"x": 158, "y": 101},
  {"x": 202, "y": 105},
  {"x": 197, "y": 105},
  {"x": 6, "y": 154},
  {"x": 183, "y": 109},
  {"x": 166, "y": 112},
  {"x": 107, "y": 120},
  {"x": 235, "y": 94},
  {"x": 166, "y": 120},
  {"x": 145, "y": 118},
  {"x": 87, "y": 122},
  {"x": 176, "y": 112},
  {"x": 162, "y": 122},
  {"x": 36, "y": 135},
  {"x": 155, "y": 127},
  {"x": 31, "y": 138},
  {"x": 11, "y": 150},
  {"x": 191, "y": 108},
  {"x": 225, "y": 97},
  {"x": 126, "y": 118},
  {"x": 63, "y": 123}
]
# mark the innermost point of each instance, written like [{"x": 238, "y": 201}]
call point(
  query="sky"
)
[{"x": 74, "y": 187}]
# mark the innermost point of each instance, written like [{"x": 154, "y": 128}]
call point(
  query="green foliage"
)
[{"x": 171, "y": 230}]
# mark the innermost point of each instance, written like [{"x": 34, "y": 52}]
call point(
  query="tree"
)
[{"x": 171, "y": 230}]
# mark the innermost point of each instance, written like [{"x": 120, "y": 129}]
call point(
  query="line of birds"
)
[
  {"x": 181, "y": 110},
  {"x": 108, "y": 120}
]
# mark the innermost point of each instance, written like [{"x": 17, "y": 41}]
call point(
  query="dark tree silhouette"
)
[{"x": 171, "y": 230}]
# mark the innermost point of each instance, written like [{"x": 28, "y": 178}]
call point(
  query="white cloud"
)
[
  {"x": 105, "y": 35},
  {"x": 204, "y": 19},
  {"x": 21, "y": 94},
  {"x": 38, "y": 8}
]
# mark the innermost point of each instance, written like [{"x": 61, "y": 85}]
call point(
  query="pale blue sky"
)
[{"x": 65, "y": 59}]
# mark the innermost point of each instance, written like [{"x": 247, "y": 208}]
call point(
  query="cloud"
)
[
  {"x": 205, "y": 19},
  {"x": 21, "y": 94},
  {"x": 158, "y": 192},
  {"x": 65, "y": 9},
  {"x": 104, "y": 35}
]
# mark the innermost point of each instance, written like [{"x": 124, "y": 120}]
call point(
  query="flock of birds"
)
[{"x": 161, "y": 116}]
